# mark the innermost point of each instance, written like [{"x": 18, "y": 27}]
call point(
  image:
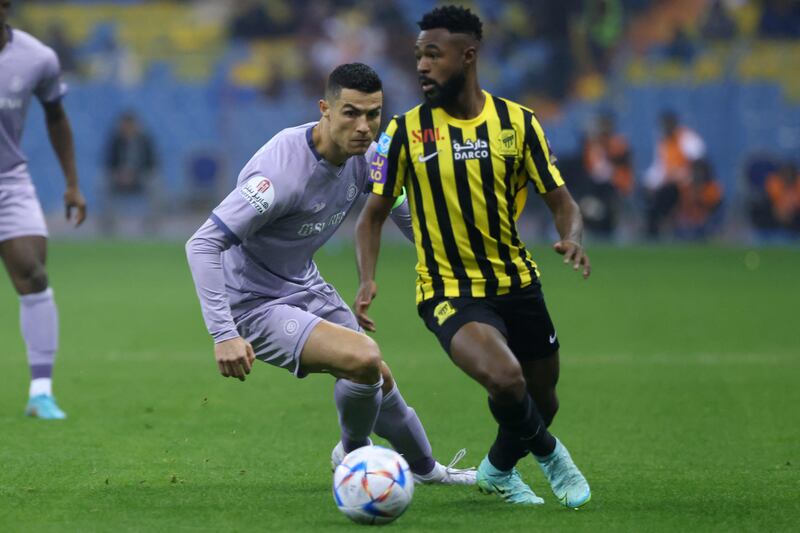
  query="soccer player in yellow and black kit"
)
[{"x": 465, "y": 158}]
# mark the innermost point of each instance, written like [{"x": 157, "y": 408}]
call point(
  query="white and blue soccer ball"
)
[{"x": 373, "y": 485}]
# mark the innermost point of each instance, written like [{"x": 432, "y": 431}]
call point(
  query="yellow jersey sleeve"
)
[
  {"x": 389, "y": 164},
  {"x": 540, "y": 162}
]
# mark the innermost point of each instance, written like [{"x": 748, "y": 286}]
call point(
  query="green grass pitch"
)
[{"x": 680, "y": 394}]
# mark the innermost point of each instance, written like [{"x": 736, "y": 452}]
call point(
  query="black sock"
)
[
  {"x": 521, "y": 422},
  {"x": 507, "y": 450}
]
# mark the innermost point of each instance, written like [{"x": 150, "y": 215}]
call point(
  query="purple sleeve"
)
[
  {"x": 204, "y": 252},
  {"x": 401, "y": 216},
  {"x": 51, "y": 87}
]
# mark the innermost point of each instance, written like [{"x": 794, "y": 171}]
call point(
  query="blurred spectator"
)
[
  {"x": 700, "y": 202},
  {"x": 670, "y": 174},
  {"x": 57, "y": 40},
  {"x": 780, "y": 19},
  {"x": 718, "y": 25},
  {"x": 130, "y": 165},
  {"x": 603, "y": 25},
  {"x": 783, "y": 191},
  {"x": 607, "y": 164},
  {"x": 252, "y": 19},
  {"x": 680, "y": 48}
]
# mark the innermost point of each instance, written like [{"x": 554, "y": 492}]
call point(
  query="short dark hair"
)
[
  {"x": 455, "y": 19},
  {"x": 356, "y": 76}
]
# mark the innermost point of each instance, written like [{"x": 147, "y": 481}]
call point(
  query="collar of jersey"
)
[{"x": 488, "y": 105}]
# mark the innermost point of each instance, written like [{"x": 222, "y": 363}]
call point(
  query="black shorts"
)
[{"x": 521, "y": 317}]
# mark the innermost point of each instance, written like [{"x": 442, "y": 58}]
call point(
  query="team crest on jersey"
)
[
  {"x": 259, "y": 192},
  {"x": 377, "y": 169},
  {"x": 16, "y": 84},
  {"x": 507, "y": 141},
  {"x": 477, "y": 149},
  {"x": 352, "y": 191},
  {"x": 383, "y": 144},
  {"x": 291, "y": 326},
  {"x": 443, "y": 311}
]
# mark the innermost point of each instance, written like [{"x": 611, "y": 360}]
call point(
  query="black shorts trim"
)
[{"x": 521, "y": 316}]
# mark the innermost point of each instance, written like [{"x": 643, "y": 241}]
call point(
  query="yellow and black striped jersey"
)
[{"x": 466, "y": 182}]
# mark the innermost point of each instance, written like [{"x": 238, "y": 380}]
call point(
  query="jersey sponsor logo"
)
[
  {"x": 424, "y": 158},
  {"x": 425, "y": 136},
  {"x": 10, "y": 104},
  {"x": 259, "y": 192},
  {"x": 352, "y": 191},
  {"x": 383, "y": 144},
  {"x": 477, "y": 149},
  {"x": 315, "y": 228},
  {"x": 507, "y": 140},
  {"x": 377, "y": 169},
  {"x": 443, "y": 311}
]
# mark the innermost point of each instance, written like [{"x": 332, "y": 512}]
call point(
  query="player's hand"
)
[
  {"x": 574, "y": 253},
  {"x": 73, "y": 199},
  {"x": 366, "y": 293},
  {"x": 234, "y": 357}
]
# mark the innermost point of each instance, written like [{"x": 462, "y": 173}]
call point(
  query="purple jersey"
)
[
  {"x": 28, "y": 68},
  {"x": 257, "y": 247},
  {"x": 288, "y": 202}
]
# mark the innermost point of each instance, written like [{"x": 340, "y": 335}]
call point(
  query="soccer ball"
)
[{"x": 373, "y": 485}]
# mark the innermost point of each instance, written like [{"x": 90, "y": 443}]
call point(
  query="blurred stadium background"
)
[{"x": 211, "y": 80}]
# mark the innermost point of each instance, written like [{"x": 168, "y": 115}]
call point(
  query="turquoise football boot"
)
[
  {"x": 507, "y": 484},
  {"x": 44, "y": 406},
  {"x": 567, "y": 482}
]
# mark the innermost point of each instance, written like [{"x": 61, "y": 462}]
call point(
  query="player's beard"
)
[{"x": 445, "y": 94}]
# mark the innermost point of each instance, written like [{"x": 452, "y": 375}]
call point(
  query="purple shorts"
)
[
  {"x": 20, "y": 212},
  {"x": 278, "y": 329}
]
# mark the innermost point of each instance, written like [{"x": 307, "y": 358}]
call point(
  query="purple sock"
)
[
  {"x": 38, "y": 319},
  {"x": 358, "y": 406},
  {"x": 399, "y": 424}
]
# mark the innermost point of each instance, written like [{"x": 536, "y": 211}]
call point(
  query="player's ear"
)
[
  {"x": 470, "y": 55},
  {"x": 324, "y": 108}
]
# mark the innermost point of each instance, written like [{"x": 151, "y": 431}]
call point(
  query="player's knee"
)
[
  {"x": 365, "y": 362},
  {"x": 506, "y": 384},
  {"x": 31, "y": 280}
]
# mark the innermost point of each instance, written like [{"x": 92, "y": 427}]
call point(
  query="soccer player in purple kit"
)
[
  {"x": 261, "y": 294},
  {"x": 28, "y": 68}
]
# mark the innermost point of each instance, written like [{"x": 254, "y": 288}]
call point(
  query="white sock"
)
[{"x": 41, "y": 386}]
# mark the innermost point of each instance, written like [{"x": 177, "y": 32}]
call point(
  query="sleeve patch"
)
[
  {"x": 259, "y": 192},
  {"x": 383, "y": 144},
  {"x": 553, "y": 158},
  {"x": 377, "y": 169}
]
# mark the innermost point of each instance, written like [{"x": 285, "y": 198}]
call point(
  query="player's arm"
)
[
  {"x": 387, "y": 173},
  {"x": 204, "y": 250},
  {"x": 368, "y": 243},
  {"x": 569, "y": 223},
  {"x": 401, "y": 216},
  {"x": 540, "y": 165},
  {"x": 60, "y": 133}
]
